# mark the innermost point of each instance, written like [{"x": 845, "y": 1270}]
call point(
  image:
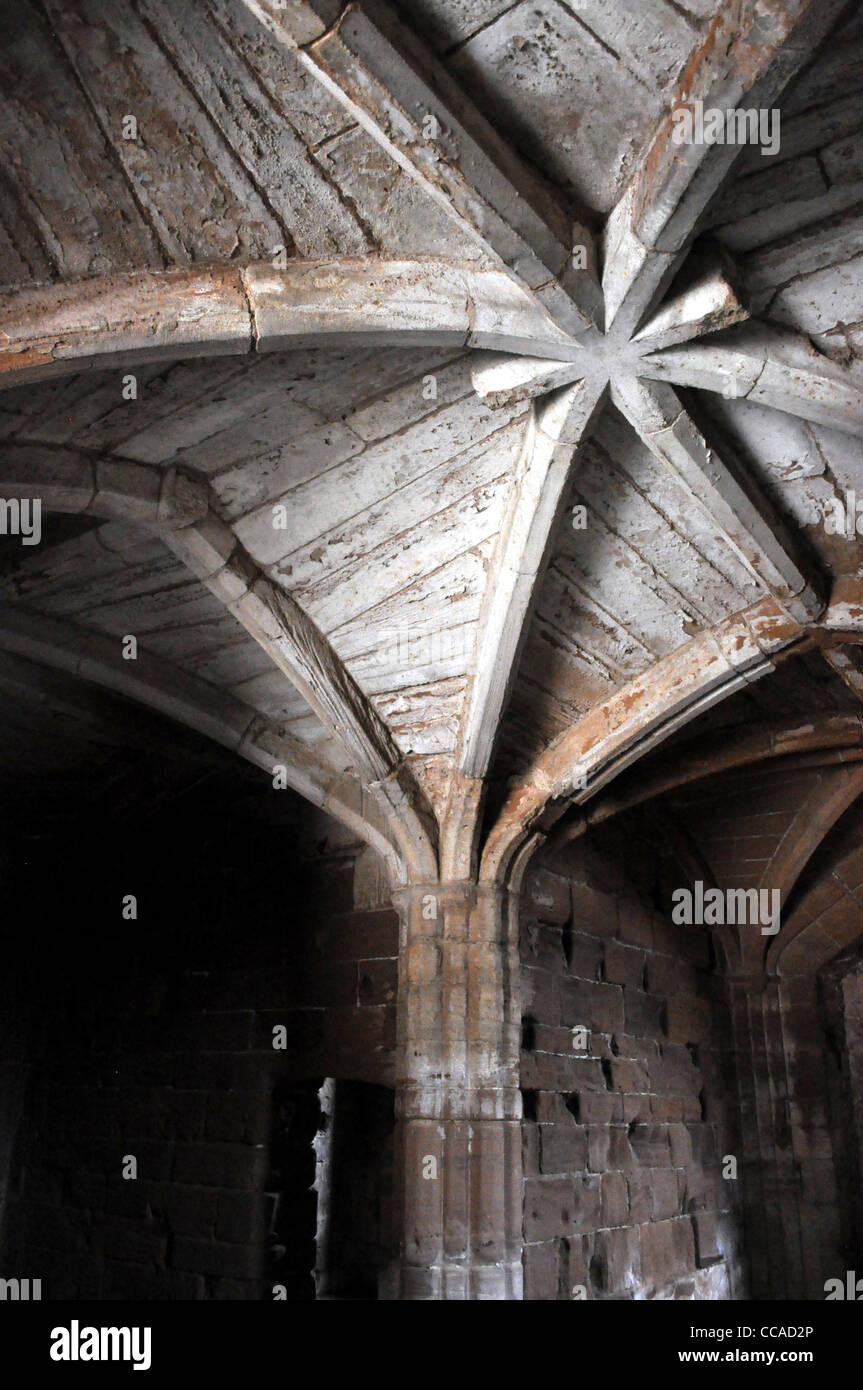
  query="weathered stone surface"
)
[{"x": 434, "y": 543}]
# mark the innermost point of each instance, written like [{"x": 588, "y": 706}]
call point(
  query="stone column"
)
[{"x": 458, "y": 1104}]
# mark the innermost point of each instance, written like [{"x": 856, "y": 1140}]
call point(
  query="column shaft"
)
[{"x": 458, "y": 1104}]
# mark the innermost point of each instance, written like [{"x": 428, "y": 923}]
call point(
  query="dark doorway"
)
[
  {"x": 293, "y": 1227},
  {"x": 355, "y": 1182}
]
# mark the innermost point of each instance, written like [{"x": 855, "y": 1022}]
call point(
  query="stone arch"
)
[
  {"x": 206, "y": 311},
  {"x": 163, "y": 501},
  {"x": 91, "y": 656},
  {"x": 815, "y": 934},
  {"x": 634, "y": 720}
]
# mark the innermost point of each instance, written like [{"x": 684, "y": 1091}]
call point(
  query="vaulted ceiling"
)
[{"x": 480, "y": 435}]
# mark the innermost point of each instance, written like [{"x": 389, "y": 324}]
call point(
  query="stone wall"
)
[
  {"x": 798, "y": 1043},
  {"x": 623, "y": 1140},
  {"x": 792, "y": 1218},
  {"x": 153, "y": 1038},
  {"x": 851, "y": 1106}
]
